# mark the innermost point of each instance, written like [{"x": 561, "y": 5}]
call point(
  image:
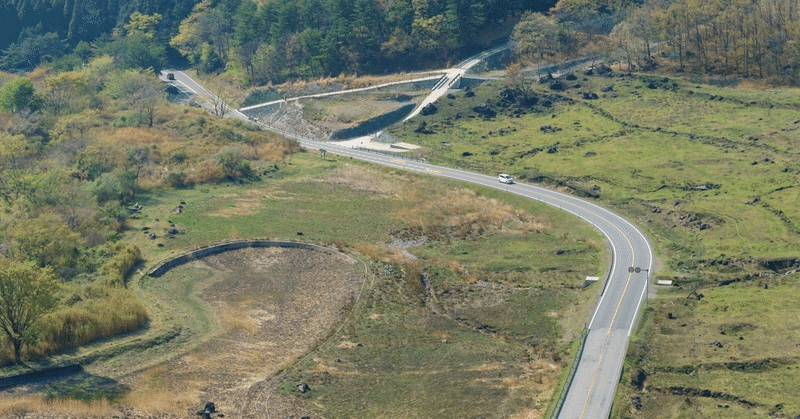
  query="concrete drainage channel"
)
[{"x": 224, "y": 247}]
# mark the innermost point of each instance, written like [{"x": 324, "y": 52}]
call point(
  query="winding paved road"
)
[{"x": 592, "y": 390}]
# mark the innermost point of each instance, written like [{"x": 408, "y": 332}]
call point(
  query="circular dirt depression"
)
[{"x": 270, "y": 306}]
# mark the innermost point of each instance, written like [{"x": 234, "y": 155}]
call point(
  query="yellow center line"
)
[{"x": 603, "y": 349}]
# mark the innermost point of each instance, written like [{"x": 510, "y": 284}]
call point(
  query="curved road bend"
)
[{"x": 592, "y": 391}]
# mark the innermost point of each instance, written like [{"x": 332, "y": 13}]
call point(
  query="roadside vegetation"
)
[{"x": 707, "y": 168}]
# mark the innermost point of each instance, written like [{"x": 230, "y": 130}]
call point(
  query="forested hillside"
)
[{"x": 260, "y": 41}]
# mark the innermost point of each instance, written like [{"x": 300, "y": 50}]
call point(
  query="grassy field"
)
[
  {"x": 471, "y": 266},
  {"x": 709, "y": 171}
]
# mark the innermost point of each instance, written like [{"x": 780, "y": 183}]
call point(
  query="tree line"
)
[
  {"x": 276, "y": 41},
  {"x": 742, "y": 38}
]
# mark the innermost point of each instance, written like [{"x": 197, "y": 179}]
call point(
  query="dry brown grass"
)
[
  {"x": 465, "y": 208},
  {"x": 362, "y": 179},
  {"x": 21, "y": 406}
]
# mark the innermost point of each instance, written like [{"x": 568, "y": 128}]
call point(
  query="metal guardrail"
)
[{"x": 562, "y": 396}]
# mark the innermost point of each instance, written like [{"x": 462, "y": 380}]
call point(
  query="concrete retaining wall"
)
[
  {"x": 263, "y": 110},
  {"x": 213, "y": 250},
  {"x": 374, "y": 124},
  {"x": 29, "y": 377}
]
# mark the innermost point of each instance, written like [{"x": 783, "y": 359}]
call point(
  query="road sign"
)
[
  {"x": 637, "y": 270},
  {"x": 630, "y": 269}
]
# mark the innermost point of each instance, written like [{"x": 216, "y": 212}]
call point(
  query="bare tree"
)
[{"x": 142, "y": 91}]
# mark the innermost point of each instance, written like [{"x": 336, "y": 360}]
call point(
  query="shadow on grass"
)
[{"x": 86, "y": 387}]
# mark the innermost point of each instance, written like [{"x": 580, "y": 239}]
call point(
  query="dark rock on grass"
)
[
  {"x": 422, "y": 128},
  {"x": 450, "y": 96},
  {"x": 484, "y": 110},
  {"x": 469, "y": 93},
  {"x": 494, "y": 152},
  {"x": 429, "y": 109},
  {"x": 546, "y": 78},
  {"x": 604, "y": 70},
  {"x": 636, "y": 403},
  {"x": 589, "y": 154},
  {"x": 638, "y": 376},
  {"x": 557, "y": 86},
  {"x": 595, "y": 188},
  {"x": 210, "y": 407},
  {"x": 552, "y": 150},
  {"x": 466, "y": 154},
  {"x": 589, "y": 95},
  {"x": 608, "y": 88},
  {"x": 651, "y": 85},
  {"x": 570, "y": 77},
  {"x": 560, "y": 251}
]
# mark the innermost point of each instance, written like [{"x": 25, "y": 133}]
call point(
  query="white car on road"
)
[{"x": 504, "y": 178}]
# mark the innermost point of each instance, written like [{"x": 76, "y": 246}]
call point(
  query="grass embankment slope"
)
[
  {"x": 473, "y": 311},
  {"x": 710, "y": 172}
]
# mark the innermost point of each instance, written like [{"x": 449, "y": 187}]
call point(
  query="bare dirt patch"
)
[{"x": 270, "y": 306}]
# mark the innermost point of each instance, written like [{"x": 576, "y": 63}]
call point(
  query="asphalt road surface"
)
[{"x": 592, "y": 390}]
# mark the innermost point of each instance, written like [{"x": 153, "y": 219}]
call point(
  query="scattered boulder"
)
[
  {"x": 466, "y": 154},
  {"x": 494, "y": 152},
  {"x": 651, "y": 85},
  {"x": 716, "y": 344},
  {"x": 560, "y": 251},
  {"x": 552, "y": 150},
  {"x": 608, "y": 88},
  {"x": 595, "y": 188},
  {"x": 172, "y": 231},
  {"x": 210, "y": 407},
  {"x": 589, "y": 95},
  {"x": 570, "y": 77},
  {"x": 548, "y": 128},
  {"x": 422, "y": 128},
  {"x": 636, "y": 403},
  {"x": 604, "y": 70},
  {"x": 151, "y": 236},
  {"x": 469, "y": 93},
  {"x": 557, "y": 86},
  {"x": 302, "y": 387},
  {"x": 589, "y": 154},
  {"x": 136, "y": 207},
  {"x": 638, "y": 376},
  {"x": 484, "y": 110},
  {"x": 428, "y": 109},
  {"x": 450, "y": 96},
  {"x": 177, "y": 210}
]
